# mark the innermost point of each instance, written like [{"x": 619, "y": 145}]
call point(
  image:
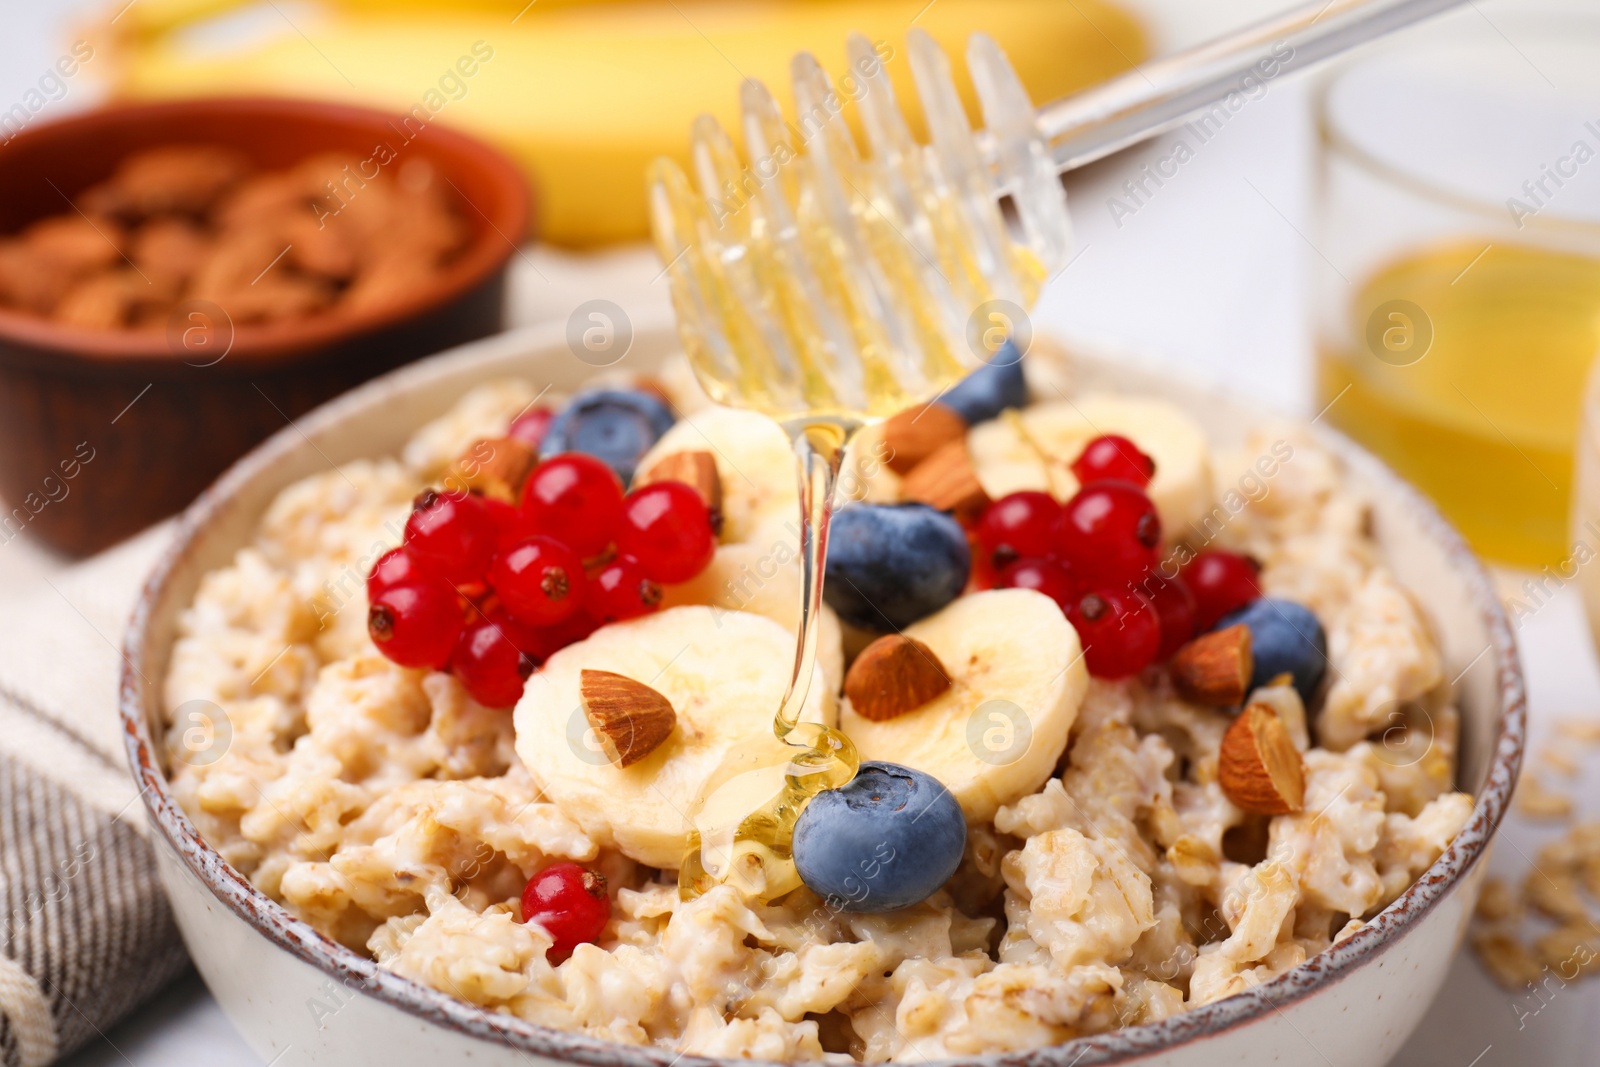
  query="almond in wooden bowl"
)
[{"x": 103, "y": 431}]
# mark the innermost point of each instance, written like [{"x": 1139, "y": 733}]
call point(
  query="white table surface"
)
[{"x": 1210, "y": 274}]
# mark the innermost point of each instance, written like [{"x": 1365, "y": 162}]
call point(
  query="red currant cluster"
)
[
  {"x": 1097, "y": 556},
  {"x": 488, "y": 590}
]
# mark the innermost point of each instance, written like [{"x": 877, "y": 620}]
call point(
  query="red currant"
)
[
  {"x": 1049, "y": 576},
  {"x": 1119, "y": 630},
  {"x": 1113, "y": 458},
  {"x": 621, "y": 591},
  {"x": 490, "y": 662},
  {"x": 416, "y": 624},
  {"x": 1020, "y": 525},
  {"x": 1175, "y": 607},
  {"x": 395, "y": 567},
  {"x": 1111, "y": 530},
  {"x": 508, "y": 523},
  {"x": 530, "y": 426},
  {"x": 983, "y": 575},
  {"x": 546, "y": 641},
  {"x": 540, "y": 581},
  {"x": 667, "y": 528},
  {"x": 453, "y": 534},
  {"x": 1221, "y": 582},
  {"x": 570, "y": 902},
  {"x": 575, "y": 498}
]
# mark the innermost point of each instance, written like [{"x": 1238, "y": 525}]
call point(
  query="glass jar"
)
[{"x": 1458, "y": 266}]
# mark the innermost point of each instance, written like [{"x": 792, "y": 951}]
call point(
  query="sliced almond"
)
[
  {"x": 893, "y": 675},
  {"x": 494, "y": 466},
  {"x": 1260, "y": 769},
  {"x": 914, "y": 434},
  {"x": 631, "y": 719},
  {"x": 698, "y": 470},
  {"x": 946, "y": 480},
  {"x": 1215, "y": 668}
]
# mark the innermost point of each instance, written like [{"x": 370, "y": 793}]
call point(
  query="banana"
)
[
  {"x": 755, "y": 463},
  {"x": 865, "y": 476},
  {"x": 724, "y": 674},
  {"x": 1033, "y": 449},
  {"x": 1017, "y": 674},
  {"x": 677, "y": 378},
  {"x": 749, "y": 577},
  {"x": 1049, "y": 368},
  {"x": 631, "y": 77},
  {"x": 760, "y": 494}
]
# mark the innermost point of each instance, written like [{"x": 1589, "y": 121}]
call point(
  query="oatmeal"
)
[{"x": 1159, "y": 792}]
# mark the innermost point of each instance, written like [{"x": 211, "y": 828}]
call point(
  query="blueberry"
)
[
  {"x": 990, "y": 389},
  {"x": 1285, "y": 638},
  {"x": 891, "y": 564},
  {"x": 615, "y": 425},
  {"x": 887, "y": 840}
]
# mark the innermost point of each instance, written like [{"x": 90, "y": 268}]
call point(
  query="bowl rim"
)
[
  {"x": 1125, "y": 1045},
  {"x": 482, "y": 258}
]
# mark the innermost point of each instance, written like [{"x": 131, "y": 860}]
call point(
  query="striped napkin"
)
[{"x": 85, "y": 932}]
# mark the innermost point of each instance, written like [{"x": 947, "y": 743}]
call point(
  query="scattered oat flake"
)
[
  {"x": 1559, "y": 855},
  {"x": 1496, "y": 902},
  {"x": 1555, "y": 894},
  {"x": 1559, "y": 760},
  {"x": 1536, "y": 801},
  {"x": 1591, "y": 876},
  {"x": 1585, "y": 838},
  {"x": 1584, "y": 729},
  {"x": 1571, "y": 950},
  {"x": 1507, "y": 960},
  {"x": 1564, "y": 870}
]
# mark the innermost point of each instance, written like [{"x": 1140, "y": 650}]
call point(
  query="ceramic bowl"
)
[
  {"x": 102, "y": 432},
  {"x": 294, "y": 994}
]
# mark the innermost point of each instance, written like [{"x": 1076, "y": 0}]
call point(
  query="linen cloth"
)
[{"x": 86, "y": 935}]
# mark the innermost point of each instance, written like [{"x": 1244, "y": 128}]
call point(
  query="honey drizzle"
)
[{"x": 846, "y": 287}]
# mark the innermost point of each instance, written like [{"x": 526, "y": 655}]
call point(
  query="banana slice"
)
[
  {"x": 1034, "y": 448},
  {"x": 864, "y": 475},
  {"x": 754, "y": 462},
  {"x": 766, "y": 581},
  {"x": 724, "y": 674},
  {"x": 677, "y": 377},
  {"x": 1017, "y": 674}
]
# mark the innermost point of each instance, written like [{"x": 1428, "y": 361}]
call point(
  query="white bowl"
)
[{"x": 295, "y": 994}]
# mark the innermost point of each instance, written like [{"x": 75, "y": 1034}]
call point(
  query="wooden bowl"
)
[{"x": 103, "y": 432}]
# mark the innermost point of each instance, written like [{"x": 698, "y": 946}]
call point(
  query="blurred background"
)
[{"x": 1406, "y": 245}]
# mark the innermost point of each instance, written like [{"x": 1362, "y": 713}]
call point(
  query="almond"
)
[
  {"x": 698, "y": 470},
  {"x": 1215, "y": 668},
  {"x": 495, "y": 467},
  {"x": 656, "y": 388},
  {"x": 1259, "y": 767},
  {"x": 631, "y": 719},
  {"x": 916, "y": 433},
  {"x": 893, "y": 675},
  {"x": 946, "y": 480}
]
